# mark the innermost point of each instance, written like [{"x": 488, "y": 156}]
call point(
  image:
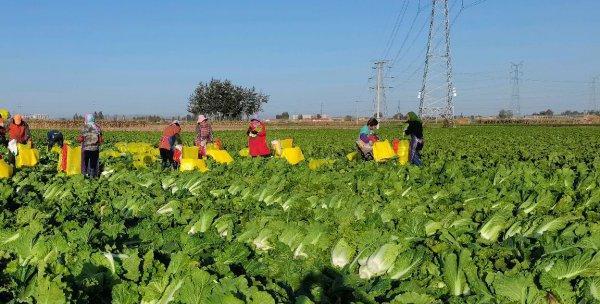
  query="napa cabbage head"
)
[
  {"x": 380, "y": 261},
  {"x": 341, "y": 254}
]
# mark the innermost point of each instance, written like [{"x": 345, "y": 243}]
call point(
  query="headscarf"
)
[
  {"x": 413, "y": 117},
  {"x": 90, "y": 122},
  {"x": 254, "y": 123},
  {"x": 175, "y": 122},
  {"x": 201, "y": 118}
]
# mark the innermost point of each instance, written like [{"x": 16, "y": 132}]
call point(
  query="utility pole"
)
[
  {"x": 515, "y": 83},
  {"x": 594, "y": 94},
  {"x": 380, "y": 86},
  {"x": 356, "y": 109},
  {"x": 321, "y": 109},
  {"x": 437, "y": 88}
]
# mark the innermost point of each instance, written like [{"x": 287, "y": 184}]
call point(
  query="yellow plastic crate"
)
[
  {"x": 6, "y": 170},
  {"x": 293, "y": 155},
  {"x": 382, "y": 151}
]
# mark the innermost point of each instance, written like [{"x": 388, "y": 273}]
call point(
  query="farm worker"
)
[
  {"x": 415, "y": 131},
  {"x": 367, "y": 137},
  {"x": 170, "y": 137},
  {"x": 90, "y": 139},
  {"x": 55, "y": 138},
  {"x": 257, "y": 138},
  {"x": 18, "y": 130},
  {"x": 3, "y": 141},
  {"x": 204, "y": 134}
]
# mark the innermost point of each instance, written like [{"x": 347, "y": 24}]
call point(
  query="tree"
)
[
  {"x": 348, "y": 118},
  {"x": 224, "y": 100},
  {"x": 548, "y": 112},
  {"x": 300, "y": 117},
  {"x": 505, "y": 114},
  {"x": 399, "y": 116},
  {"x": 77, "y": 116},
  {"x": 571, "y": 113},
  {"x": 284, "y": 115}
]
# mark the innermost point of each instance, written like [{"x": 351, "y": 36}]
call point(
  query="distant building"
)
[
  {"x": 37, "y": 116},
  {"x": 307, "y": 116}
]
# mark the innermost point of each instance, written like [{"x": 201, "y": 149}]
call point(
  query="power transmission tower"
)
[
  {"x": 594, "y": 93},
  {"x": 380, "y": 86},
  {"x": 515, "y": 83},
  {"x": 437, "y": 89},
  {"x": 321, "y": 109}
]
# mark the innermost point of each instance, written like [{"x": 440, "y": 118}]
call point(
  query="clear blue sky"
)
[{"x": 142, "y": 57}]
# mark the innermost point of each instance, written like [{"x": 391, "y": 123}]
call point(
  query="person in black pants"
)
[
  {"x": 169, "y": 139},
  {"x": 90, "y": 139}
]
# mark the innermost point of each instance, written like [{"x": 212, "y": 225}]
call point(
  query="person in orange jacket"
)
[
  {"x": 170, "y": 137},
  {"x": 257, "y": 138}
]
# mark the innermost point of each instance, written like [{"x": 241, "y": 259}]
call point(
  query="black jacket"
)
[{"x": 414, "y": 128}]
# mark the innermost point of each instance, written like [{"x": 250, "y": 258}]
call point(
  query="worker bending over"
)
[
  {"x": 170, "y": 137},
  {"x": 257, "y": 138},
  {"x": 367, "y": 138}
]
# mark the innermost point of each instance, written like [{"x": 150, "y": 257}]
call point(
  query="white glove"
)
[{"x": 13, "y": 147}]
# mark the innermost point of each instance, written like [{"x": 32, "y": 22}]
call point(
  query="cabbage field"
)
[{"x": 498, "y": 214}]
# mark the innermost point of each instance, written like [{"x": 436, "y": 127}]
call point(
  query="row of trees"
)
[{"x": 505, "y": 114}]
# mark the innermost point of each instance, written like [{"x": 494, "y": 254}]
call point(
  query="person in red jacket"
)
[
  {"x": 169, "y": 139},
  {"x": 18, "y": 130},
  {"x": 257, "y": 139}
]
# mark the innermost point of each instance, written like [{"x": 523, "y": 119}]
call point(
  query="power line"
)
[{"x": 396, "y": 29}]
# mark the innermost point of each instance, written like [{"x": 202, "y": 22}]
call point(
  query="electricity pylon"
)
[{"x": 437, "y": 89}]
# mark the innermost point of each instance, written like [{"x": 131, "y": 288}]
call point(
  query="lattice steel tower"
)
[
  {"x": 437, "y": 89},
  {"x": 515, "y": 84}
]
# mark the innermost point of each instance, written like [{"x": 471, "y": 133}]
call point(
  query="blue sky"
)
[{"x": 145, "y": 57}]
